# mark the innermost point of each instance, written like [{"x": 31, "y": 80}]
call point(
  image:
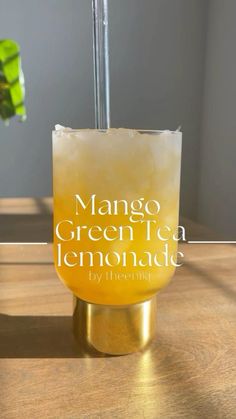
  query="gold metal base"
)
[{"x": 114, "y": 330}]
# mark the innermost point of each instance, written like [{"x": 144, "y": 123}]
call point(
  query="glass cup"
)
[{"x": 116, "y": 209}]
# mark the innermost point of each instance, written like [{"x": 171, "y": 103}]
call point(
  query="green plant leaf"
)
[{"x": 12, "y": 91}]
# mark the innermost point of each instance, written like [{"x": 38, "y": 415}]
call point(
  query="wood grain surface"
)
[{"x": 187, "y": 372}]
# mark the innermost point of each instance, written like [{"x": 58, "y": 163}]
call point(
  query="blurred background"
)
[{"x": 172, "y": 63}]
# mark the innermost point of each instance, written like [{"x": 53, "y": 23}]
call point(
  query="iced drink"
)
[{"x": 116, "y": 206}]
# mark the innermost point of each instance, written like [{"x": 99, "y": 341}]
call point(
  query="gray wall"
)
[
  {"x": 54, "y": 36},
  {"x": 217, "y": 192},
  {"x": 157, "y": 69}
]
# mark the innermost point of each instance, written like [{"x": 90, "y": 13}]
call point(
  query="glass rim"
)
[{"x": 141, "y": 131}]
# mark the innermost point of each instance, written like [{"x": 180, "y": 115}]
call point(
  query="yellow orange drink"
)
[{"x": 116, "y": 205}]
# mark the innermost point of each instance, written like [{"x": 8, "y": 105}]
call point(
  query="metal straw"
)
[{"x": 101, "y": 64}]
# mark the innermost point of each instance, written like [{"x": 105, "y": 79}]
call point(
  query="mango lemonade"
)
[{"x": 116, "y": 206}]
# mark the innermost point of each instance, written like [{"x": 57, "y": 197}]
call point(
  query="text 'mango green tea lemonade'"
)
[{"x": 116, "y": 206}]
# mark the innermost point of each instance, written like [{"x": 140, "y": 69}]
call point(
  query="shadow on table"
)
[
  {"x": 38, "y": 337},
  {"x": 213, "y": 281},
  {"x": 52, "y": 336},
  {"x": 162, "y": 363},
  {"x": 26, "y": 227}
]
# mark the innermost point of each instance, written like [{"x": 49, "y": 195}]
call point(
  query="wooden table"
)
[{"x": 188, "y": 371}]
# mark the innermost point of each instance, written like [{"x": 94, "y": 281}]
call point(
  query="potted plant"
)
[{"x": 12, "y": 92}]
